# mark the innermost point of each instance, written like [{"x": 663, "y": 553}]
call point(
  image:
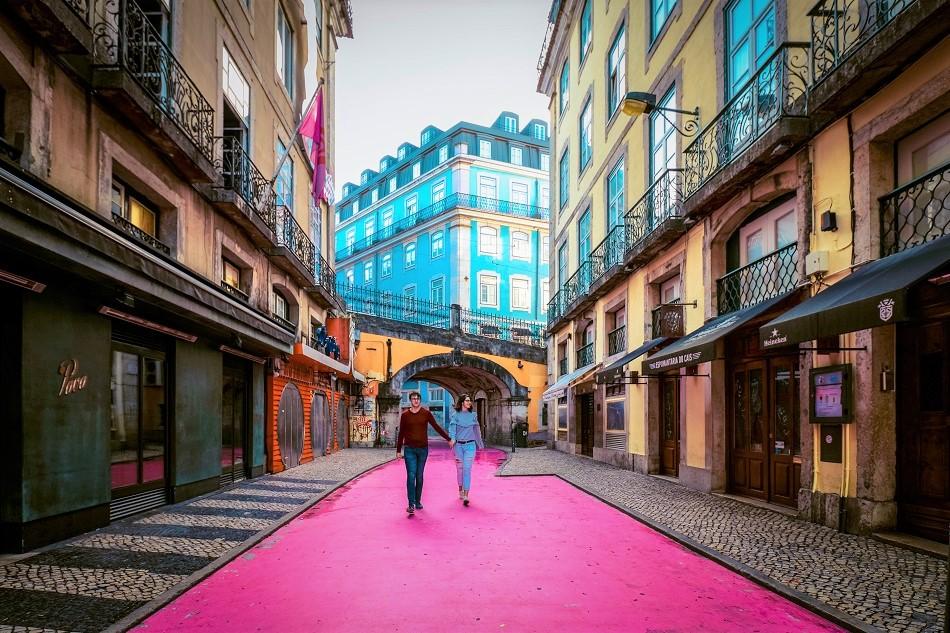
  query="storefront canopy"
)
[
  {"x": 875, "y": 294},
  {"x": 559, "y": 388},
  {"x": 613, "y": 370},
  {"x": 700, "y": 346}
]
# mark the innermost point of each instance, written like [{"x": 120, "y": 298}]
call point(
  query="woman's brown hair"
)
[{"x": 461, "y": 401}]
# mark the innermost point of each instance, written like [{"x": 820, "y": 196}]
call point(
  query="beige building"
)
[
  {"x": 749, "y": 229},
  {"x": 156, "y": 279}
]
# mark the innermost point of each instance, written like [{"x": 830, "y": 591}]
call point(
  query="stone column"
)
[{"x": 387, "y": 408}]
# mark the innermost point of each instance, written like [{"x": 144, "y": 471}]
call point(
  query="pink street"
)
[{"x": 529, "y": 554}]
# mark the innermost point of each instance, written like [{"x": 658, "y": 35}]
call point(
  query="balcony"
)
[
  {"x": 857, "y": 46},
  {"x": 562, "y": 367},
  {"x": 668, "y": 321},
  {"x": 136, "y": 73},
  {"x": 617, "y": 340},
  {"x": 293, "y": 251},
  {"x": 62, "y": 25},
  {"x": 917, "y": 212},
  {"x": 234, "y": 291},
  {"x": 324, "y": 288},
  {"x": 140, "y": 236},
  {"x": 242, "y": 193},
  {"x": 585, "y": 356},
  {"x": 758, "y": 281},
  {"x": 453, "y": 201},
  {"x": 759, "y": 126}
]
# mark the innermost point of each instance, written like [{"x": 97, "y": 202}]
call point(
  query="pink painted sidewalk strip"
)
[{"x": 529, "y": 554}]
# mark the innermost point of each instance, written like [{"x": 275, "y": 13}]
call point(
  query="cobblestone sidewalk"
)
[
  {"x": 882, "y": 586},
  {"x": 95, "y": 580}
]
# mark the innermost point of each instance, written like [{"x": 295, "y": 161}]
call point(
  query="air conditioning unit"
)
[{"x": 816, "y": 263}]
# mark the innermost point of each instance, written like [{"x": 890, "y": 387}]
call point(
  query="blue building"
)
[{"x": 461, "y": 218}]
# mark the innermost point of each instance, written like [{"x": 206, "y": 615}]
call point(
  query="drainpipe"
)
[{"x": 389, "y": 359}]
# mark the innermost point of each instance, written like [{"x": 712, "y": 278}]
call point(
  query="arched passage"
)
[{"x": 506, "y": 400}]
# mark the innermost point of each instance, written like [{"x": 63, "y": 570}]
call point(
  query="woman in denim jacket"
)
[{"x": 464, "y": 431}]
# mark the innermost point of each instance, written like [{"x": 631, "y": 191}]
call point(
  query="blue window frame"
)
[
  {"x": 584, "y": 243},
  {"x": 585, "y": 30},
  {"x": 564, "y": 92},
  {"x": 563, "y": 180},
  {"x": 617, "y": 72},
  {"x": 750, "y": 39},
  {"x": 615, "y": 194},
  {"x": 284, "y": 186},
  {"x": 562, "y": 264},
  {"x": 585, "y": 136},
  {"x": 660, "y": 11}
]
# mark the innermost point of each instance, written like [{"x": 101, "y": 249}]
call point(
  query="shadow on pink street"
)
[{"x": 529, "y": 554}]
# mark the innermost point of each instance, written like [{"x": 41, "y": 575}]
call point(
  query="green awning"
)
[
  {"x": 875, "y": 294},
  {"x": 699, "y": 346}
]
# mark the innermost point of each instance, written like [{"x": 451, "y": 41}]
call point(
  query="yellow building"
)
[{"x": 718, "y": 168}]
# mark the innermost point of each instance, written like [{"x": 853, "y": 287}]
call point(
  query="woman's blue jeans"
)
[
  {"x": 464, "y": 456},
  {"x": 415, "y": 465}
]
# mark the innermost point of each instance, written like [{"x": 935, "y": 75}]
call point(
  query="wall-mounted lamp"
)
[
  {"x": 637, "y": 103},
  {"x": 520, "y": 365},
  {"x": 887, "y": 378}
]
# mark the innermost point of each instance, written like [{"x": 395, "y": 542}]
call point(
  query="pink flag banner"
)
[{"x": 312, "y": 128}]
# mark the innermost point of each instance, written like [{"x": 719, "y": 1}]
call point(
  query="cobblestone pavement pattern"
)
[
  {"x": 885, "y": 586},
  {"x": 94, "y": 580}
]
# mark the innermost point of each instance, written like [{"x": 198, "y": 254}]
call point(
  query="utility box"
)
[
  {"x": 816, "y": 263},
  {"x": 521, "y": 435}
]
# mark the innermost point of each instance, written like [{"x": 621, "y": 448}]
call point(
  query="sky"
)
[{"x": 412, "y": 63}]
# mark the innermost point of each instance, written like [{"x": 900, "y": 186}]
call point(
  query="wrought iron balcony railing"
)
[
  {"x": 585, "y": 356},
  {"x": 668, "y": 321},
  {"x": 80, "y": 8},
  {"x": 562, "y": 367},
  {"x": 778, "y": 89},
  {"x": 758, "y": 281},
  {"x": 556, "y": 307},
  {"x": 448, "y": 203},
  {"x": 140, "y": 235},
  {"x": 324, "y": 274},
  {"x": 917, "y": 212},
  {"x": 242, "y": 176},
  {"x": 617, "y": 340},
  {"x": 291, "y": 236},
  {"x": 365, "y": 300},
  {"x": 661, "y": 201},
  {"x": 125, "y": 38},
  {"x": 608, "y": 253},
  {"x": 284, "y": 322},
  {"x": 841, "y": 27},
  {"x": 579, "y": 283},
  {"x": 234, "y": 291}
]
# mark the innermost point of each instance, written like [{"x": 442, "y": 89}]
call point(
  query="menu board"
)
[{"x": 831, "y": 394}]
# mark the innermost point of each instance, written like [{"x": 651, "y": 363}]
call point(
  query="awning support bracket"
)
[{"x": 832, "y": 349}]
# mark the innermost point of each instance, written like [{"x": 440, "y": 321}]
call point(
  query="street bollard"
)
[{"x": 511, "y": 427}]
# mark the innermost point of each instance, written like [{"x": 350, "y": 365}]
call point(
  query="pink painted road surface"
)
[{"x": 529, "y": 554}]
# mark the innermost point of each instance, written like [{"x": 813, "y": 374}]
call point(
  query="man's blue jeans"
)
[{"x": 415, "y": 465}]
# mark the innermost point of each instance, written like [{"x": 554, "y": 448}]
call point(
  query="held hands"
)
[
  {"x": 398, "y": 455},
  {"x": 451, "y": 443}
]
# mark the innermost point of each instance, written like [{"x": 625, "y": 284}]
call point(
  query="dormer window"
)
[
  {"x": 539, "y": 131},
  {"x": 364, "y": 179},
  {"x": 402, "y": 153},
  {"x": 426, "y": 136},
  {"x": 510, "y": 124}
]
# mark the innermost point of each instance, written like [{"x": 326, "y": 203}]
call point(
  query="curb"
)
[
  {"x": 138, "y": 615},
  {"x": 831, "y": 614}
]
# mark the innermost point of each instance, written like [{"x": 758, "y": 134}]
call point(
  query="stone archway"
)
[{"x": 506, "y": 399}]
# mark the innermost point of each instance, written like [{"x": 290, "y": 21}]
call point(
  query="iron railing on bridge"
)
[
  {"x": 758, "y": 281},
  {"x": 408, "y": 309},
  {"x": 917, "y": 212}
]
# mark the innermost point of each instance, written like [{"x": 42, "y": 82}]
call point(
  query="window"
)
[
  {"x": 487, "y": 290},
  {"x": 443, "y": 154},
  {"x": 392, "y": 184},
  {"x": 670, "y": 290},
  {"x": 564, "y": 94},
  {"x": 615, "y": 422},
  {"x": 660, "y": 10},
  {"x": 232, "y": 274},
  {"x": 285, "y": 51},
  {"x": 409, "y": 293},
  {"x": 281, "y": 307},
  {"x": 401, "y": 153},
  {"x": 545, "y": 292},
  {"x": 585, "y": 30},
  {"x": 364, "y": 178},
  {"x": 319, "y": 23},
  {"x": 617, "y": 72},
  {"x": 350, "y": 238},
  {"x": 284, "y": 185},
  {"x": 510, "y": 124},
  {"x": 437, "y": 244},
  {"x": 488, "y": 187},
  {"x": 562, "y": 264},
  {"x": 923, "y": 151},
  {"x": 750, "y": 39},
  {"x": 387, "y": 217},
  {"x": 539, "y": 131},
  {"x": 369, "y": 227},
  {"x": 516, "y": 156},
  {"x": 436, "y": 394},
  {"x": 383, "y": 165},
  {"x": 350, "y": 277},
  {"x": 412, "y": 205},
  {"x": 585, "y": 136},
  {"x": 133, "y": 208},
  {"x": 386, "y": 265},
  {"x": 411, "y": 255},
  {"x": 545, "y": 162},
  {"x": 484, "y": 149},
  {"x": 356, "y": 205},
  {"x": 438, "y": 191},
  {"x": 426, "y": 136},
  {"x": 368, "y": 272},
  {"x": 437, "y": 290},
  {"x": 374, "y": 196},
  {"x": 562, "y": 182},
  {"x": 521, "y": 293},
  {"x": 488, "y": 240},
  {"x": 584, "y": 243},
  {"x": 615, "y": 195},
  {"x": 520, "y": 245},
  {"x": 416, "y": 170},
  {"x": 545, "y": 196},
  {"x": 662, "y": 140},
  {"x": 545, "y": 246},
  {"x": 236, "y": 89},
  {"x": 519, "y": 192}
]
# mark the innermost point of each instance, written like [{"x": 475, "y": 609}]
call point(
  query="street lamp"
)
[{"x": 637, "y": 103}]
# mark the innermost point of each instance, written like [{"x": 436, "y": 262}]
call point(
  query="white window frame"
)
[
  {"x": 484, "y": 180},
  {"x": 522, "y": 253},
  {"x": 617, "y": 71},
  {"x": 412, "y": 205},
  {"x": 350, "y": 238},
  {"x": 441, "y": 288},
  {"x": 495, "y": 283},
  {"x": 369, "y": 227},
  {"x": 520, "y": 307},
  {"x": 393, "y": 184},
  {"x": 545, "y": 291},
  {"x": 236, "y": 89},
  {"x": 438, "y": 191},
  {"x": 443, "y": 154},
  {"x": 433, "y": 254},
  {"x": 409, "y": 255},
  {"x": 368, "y": 272},
  {"x": 350, "y": 277},
  {"x": 545, "y": 162},
  {"x": 516, "y": 151},
  {"x": 539, "y": 132},
  {"x": 374, "y": 196},
  {"x": 386, "y": 266},
  {"x": 488, "y": 232},
  {"x": 284, "y": 50},
  {"x": 545, "y": 201},
  {"x": 387, "y": 217},
  {"x": 416, "y": 170},
  {"x": 545, "y": 247},
  {"x": 484, "y": 146},
  {"x": 401, "y": 153}
]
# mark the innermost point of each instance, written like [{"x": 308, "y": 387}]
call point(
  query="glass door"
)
[{"x": 233, "y": 421}]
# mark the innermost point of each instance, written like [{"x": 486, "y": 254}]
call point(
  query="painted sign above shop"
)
[{"x": 72, "y": 381}]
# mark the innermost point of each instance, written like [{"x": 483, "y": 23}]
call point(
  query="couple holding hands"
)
[{"x": 464, "y": 437}]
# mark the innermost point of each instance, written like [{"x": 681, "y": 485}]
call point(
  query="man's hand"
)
[
  {"x": 398, "y": 455},
  {"x": 451, "y": 443}
]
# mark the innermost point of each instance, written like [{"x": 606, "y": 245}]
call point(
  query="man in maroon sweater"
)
[{"x": 414, "y": 433}]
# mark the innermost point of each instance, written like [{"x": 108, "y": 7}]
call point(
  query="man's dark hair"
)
[{"x": 415, "y": 394}]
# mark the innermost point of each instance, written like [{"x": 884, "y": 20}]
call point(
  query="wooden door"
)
[
  {"x": 670, "y": 427},
  {"x": 319, "y": 429},
  {"x": 923, "y": 429},
  {"x": 290, "y": 426},
  {"x": 749, "y": 429},
  {"x": 234, "y": 425},
  {"x": 784, "y": 447},
  {"x": 585, "y": 407}
]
